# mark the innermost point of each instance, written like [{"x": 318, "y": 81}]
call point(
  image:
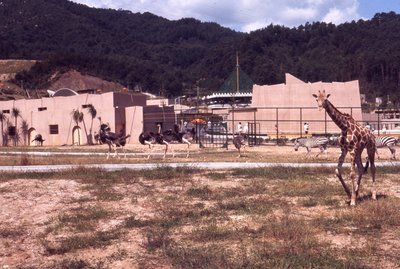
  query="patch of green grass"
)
[
  {"x": 203, "y": 192},
  {"x": 73, "y": 264},
  {"x": 331, "y": 202},
  {"x": 204, "y": 256},
  {"x": 303, "y": 255},
  {"x": 374, "y": 216},
  {"x": 82, "y": 220},
  {"x": 304, "y": 188},
  {"x": 281, "y": 172},
  {"x": 93, "y": 175},
  {"x": 175, "y": 216},
  {"x": 258, "y": 205},
  {"x": 5, "y": 190},
  {"x": 212, "y": 232},
  {"x": 157, "y": 238},
  {"x": 118, "y": 255},
  {"x": 217, "y": 175},
  {"x": 394, "y": 169},
  {"x": 165, "y": 172},
  {"x": 228, "y": 192},
  {"x": 309, "y": 202},
  {"x": 133, "y": 222},
  {"x": 12, "y": 233},
  {"x": 104, "y": 192},
  {"x": 77, "y": 242}
]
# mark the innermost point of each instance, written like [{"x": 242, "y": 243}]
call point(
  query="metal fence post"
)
[
  {"x": 276, "y": 126},
  {"x": 301, "y": 122}
]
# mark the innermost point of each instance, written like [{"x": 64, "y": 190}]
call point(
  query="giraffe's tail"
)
[{"x": 366, "y": 166}]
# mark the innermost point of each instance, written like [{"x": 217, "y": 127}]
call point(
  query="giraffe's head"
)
[{"x": 320, "y": 98}]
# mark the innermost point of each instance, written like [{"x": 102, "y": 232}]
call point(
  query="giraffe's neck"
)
[{"x": 338, "y": 117}]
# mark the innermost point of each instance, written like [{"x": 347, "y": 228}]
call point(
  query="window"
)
[
  {"x": 85, "y": 106},
  {"x": 42, "y": 108},
  {"x": 6, "y": 111},
  {"x": 54, "y": 129}
]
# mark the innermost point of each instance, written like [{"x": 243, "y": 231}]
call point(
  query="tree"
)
[
  {"x": 15, "y": 113},
  {"x": 77, "y": 116},
  {"x": 3, "y": 118},
  {"x": 24, "y": 131},
  {"x": 93, "y": 113}
]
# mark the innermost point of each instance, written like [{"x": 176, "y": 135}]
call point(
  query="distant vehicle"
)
[{"x": 216, "y": 129}]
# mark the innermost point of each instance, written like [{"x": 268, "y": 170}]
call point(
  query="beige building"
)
[
  {"x": 52, "y": 116},
  {"x": 284, "y": 108}
]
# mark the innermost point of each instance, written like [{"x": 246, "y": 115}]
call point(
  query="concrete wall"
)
[
  {"x": 113, "y": 108},
  {"x": 292, "y": 104}
]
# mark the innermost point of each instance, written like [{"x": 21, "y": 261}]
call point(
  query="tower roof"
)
[{"x": 245, "y": 83}]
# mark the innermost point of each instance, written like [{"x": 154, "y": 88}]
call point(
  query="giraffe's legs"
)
[
  {"x": 361, "y": 170},
  {"x": 352, "y": 177},
  {"x": 339, "y": 171},
  {"x": 371, "y": 158}
]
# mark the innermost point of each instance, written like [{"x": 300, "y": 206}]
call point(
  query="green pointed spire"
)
[{"x": 230, "y": 84}]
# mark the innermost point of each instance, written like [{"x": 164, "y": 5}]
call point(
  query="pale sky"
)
[{"x": 250, "y": 15}]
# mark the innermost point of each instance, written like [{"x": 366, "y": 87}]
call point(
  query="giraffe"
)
[{"x": 354, "y": 139}]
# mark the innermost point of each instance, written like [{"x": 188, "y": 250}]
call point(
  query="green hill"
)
[{"x": 145, "y": 50}]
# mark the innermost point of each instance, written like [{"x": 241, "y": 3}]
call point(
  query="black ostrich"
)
[
  {"x": 176, "y": 136},
  {"x": 150, "y": 139},
  {"x": 240, "y": 141},
  {"x": 185, "y": 137},
  {"x": 112, "y": 139},
  {"x": 38, "y": 140}
]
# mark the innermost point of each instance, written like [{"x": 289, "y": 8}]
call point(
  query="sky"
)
[{"x": 250, "y": 15}]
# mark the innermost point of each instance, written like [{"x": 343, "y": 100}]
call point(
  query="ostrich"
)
[
  {"x": 185, "y": 137},
  {"x": 177, "y": 136},
  {"x": 150, "y": 138},
  {"x": 112, "y": 139},
  {"x": 38, "y": 139},
  {"x": 239, "y": 141}
]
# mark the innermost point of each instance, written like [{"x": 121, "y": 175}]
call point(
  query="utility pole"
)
[
  {"x": 237, "y": 73},
  {"x": 237, "y": 91}
]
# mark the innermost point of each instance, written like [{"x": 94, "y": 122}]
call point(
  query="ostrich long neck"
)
[{"x": 338, "y": 117}]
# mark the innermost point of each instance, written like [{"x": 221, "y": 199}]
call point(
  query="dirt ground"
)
[{"x": 29, "y": 208}]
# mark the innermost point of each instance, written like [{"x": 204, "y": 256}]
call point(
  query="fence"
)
[{"x": 278, "y": 124}]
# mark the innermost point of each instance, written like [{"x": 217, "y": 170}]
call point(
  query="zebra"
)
[
  {"x": 320, "y": 142},
  {"x": 386, "y": 141}
]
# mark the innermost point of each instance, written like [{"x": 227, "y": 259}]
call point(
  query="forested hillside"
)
[{"x": 147, "y": 51}]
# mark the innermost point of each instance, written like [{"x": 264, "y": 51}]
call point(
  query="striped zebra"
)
[
  {"x": 386, "y": 141},
  {"x": 320, "y": 142}
]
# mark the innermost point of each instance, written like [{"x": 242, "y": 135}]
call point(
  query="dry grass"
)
[
  {"x": 189, "y": 218},
  {"x": 138, "y": 154}
]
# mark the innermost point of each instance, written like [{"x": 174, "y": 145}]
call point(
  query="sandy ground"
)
[{"x": 28, "y": 207}]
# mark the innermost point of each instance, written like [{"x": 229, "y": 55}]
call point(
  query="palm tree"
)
[
  {"x": 15, "y": 113},
  {"x": 77, "y": 116},
  {"x": 93, "y": 113},
  {"x": 3, "y": 118},
  {"x": 24, "y": 130}
]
